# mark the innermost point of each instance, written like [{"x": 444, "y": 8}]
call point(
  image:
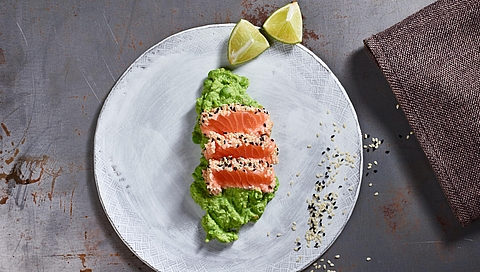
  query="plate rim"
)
[{"x": 220, "y": 25}]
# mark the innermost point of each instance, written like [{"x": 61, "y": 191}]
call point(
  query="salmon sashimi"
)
[
  {"x": 241, "y": 145},
  {"x": 236, "y": 118},
  {"x": 239, "y": 148},
  {"x": 239, "y": 172}
]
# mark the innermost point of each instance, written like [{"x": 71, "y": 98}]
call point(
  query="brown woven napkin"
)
[{"x": 432, "y": 63}]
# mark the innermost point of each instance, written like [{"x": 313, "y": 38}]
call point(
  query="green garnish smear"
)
[{"x": 226, "y": 212}]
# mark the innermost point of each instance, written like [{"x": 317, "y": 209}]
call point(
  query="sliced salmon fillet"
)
[
  {"x": 241, "y": 145},
  {"x": 236, "y": 118},
  {"x": 240, "y": 173}
]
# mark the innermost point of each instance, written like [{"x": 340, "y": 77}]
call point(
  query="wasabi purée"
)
[{"x": 235, "y": 179}]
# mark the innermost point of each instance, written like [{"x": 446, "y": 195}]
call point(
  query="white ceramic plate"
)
[{"x": 144, "y": 155}]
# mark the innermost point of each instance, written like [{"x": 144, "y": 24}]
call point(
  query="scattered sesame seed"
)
[
  {"x": 309, "y": 146},
  {"x": 268, "y": 233},
  {"x": 375, "y": 194},
  {"x": 279, "y": 234},
  {"x": 370, "y": 184},
  {"x": 337, "y": 256},
  {"x": 291, "y": 183},
  {"x": 322, "y": 260},
  {"x": 407, "y": 137},
  {"x": 318, "y": 135},
  {"x": 328, "y": 111},
  {"x": 411, "y": 132},
  {"x": 288, "y": 194},
  {"x": 321, "y": 123},
  {"x": 344, "y": 125},
  {"x": 369, "y": 259},
  {"x": 397, "y": 106},
  {"x": 298, "y": 174}
]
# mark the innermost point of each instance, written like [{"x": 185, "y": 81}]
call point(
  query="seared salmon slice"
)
[
  {"x": 239, "y": 149},
  {"x": 236, "y": 118},
  {"x": 241, "y": 145},
  {"x": 240, "y": 173}
]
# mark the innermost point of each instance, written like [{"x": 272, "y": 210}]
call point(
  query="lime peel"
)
[
  {"x": 285, "y": 24},
  {"x": 245, "y": 43}
]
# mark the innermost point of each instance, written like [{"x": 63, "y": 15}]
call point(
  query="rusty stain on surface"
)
[
  {"x": 3, "y": 200},
  {"x": 2, "y": 56},
  {"x": 71, "y": 200},
  {"x": 310, "y": 35},
  {"x": 34, "y": 195},
  {"x": 29, "y": 170},
  {"x": 9, "y": 160},
  {"x": 394, "y": 213},
  {"x": 82, "y": 258},
  {"x": 259, "y": 15},
  {"x": 86, "y": 270},
  {"x": 5, "y": 129},
  {"x": 54, "y": 178}
]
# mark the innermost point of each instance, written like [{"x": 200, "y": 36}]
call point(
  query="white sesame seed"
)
[
  {"x": 375, "y": 194},
  {"x": 318, "y": 135},
  {"x": 375, "y": 162},
  {"x": 288, "y": 193},
  {"x": 370, "y": 184},
  {"x": 369, "y": 259},
  {"x": 328, "y": 111},
  {"x": 344, "y": 125},
  {"x": 268, "y": 233},
  {"x": 337, "y": 256},
  {"x": 397, "y": 106},
  {"x": 309, "y": 146},
  {"x": 298, "y": 174},
  {"x": 411, "y": 132},
  {"x": 407, "y": 137},
  {"x": 322, "y": 260},
  {"x": 279, "y": 234},
  {"x": 321, "y": 123}
]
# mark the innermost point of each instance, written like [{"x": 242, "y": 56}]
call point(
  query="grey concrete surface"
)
[{"x": 58, "y": 62}]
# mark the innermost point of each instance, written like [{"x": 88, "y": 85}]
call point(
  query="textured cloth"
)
[{"x": 431, "y": 60}]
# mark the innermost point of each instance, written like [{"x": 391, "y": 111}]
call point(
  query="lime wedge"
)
[
  {"x": 285, "y": 24},
  {"x": 245, "y": 43}
]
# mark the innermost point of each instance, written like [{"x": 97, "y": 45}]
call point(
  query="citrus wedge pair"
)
[{"x": 246, "y": 42}]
